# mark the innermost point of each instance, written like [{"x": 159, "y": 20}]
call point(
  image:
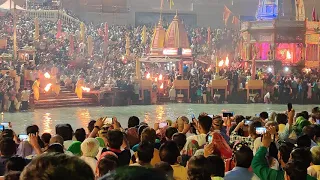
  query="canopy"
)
[{"x": 6, "y": 6}]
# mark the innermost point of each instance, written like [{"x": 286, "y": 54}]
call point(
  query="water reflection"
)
[
  {"x": 47, "y": 123},
  {"x": 47, "y": 119}
]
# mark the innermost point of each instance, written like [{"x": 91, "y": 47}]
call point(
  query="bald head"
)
[{"x": 56, "y": 139}]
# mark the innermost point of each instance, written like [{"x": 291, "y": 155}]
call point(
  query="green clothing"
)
[{"x": 261, "y": 168}]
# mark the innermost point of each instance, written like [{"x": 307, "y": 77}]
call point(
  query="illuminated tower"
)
[{"x": 267, "y": 10}]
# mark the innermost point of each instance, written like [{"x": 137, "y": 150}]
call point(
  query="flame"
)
[
  {"x": 288, "y": 55},
  {"x": 47, "y": 75},
  {"x": 86, "y": 89},
  {"x": 160, "y": 77},
  {"x": 221, "y": 63},
  {"x": 156, "y": 79},
  {"x": 227, "y": 61},
  {"x": 209, "y": 69},
  {"x": 161, "y": 87},
  {"x": 48, "y": 86},
  {"x": 148, "y": 76}
]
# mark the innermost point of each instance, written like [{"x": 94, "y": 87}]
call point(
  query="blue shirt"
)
[{"x": 240, "y": 173}]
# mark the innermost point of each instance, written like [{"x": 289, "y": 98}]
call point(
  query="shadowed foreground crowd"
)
[{"x": 283, "y": 146}]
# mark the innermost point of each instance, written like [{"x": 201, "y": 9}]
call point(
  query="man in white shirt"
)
[
  {"x": 25, "y": 95},
  {"x": 203, "y": 126}
]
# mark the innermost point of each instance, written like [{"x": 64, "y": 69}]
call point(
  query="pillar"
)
[{"x": 181, "y": 67}]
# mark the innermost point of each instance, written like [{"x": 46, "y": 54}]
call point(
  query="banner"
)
[
  {"x": 59, "y": 29},
  {"x": 71, "y": 41},
  {"x": 36, "y": 29},
  {"x": 171, "y": 3},
  {"x": 144, "y": 35},
  {"x": 90, "y": 46},
  {"x": 82, "y": 32},
  {"x": 236, "y": 21},
  {"x": 226, "y": 15}
]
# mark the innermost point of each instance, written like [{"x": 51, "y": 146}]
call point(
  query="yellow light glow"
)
[
  {"x": 86, "y": 89},
  {"x": 161, "y": 87},
  {"x": 47, "y": 75},
  {"x": 148, "y": 76},
  {"x": 48, "y": 86},
  {"x": 288, "y": 56},
  {"x": 160, "y": 77},
  {"x": 221, "y": 63},
  {"x": 227, "y": 61}
]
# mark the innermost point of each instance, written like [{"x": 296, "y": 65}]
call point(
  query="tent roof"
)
[{"x": 6, "y": 5}]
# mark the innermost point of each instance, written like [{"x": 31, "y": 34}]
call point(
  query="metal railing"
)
[{"x": 52, "y": 15}]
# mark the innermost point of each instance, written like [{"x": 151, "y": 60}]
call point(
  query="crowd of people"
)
[{"x": 282, "y": 146}]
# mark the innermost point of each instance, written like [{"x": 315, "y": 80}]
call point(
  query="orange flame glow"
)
[
  {"x": 160, "y": 77},
  {"x": 47, "y": 75},
  {"x": 161, "y": 87},
  {"x": 86, "y": 89},
  {"x": 227, "y": 61},
  {"x": 148, "y": 76},
  {"x": 288, "y": 56},
  {"x": 48, "y": 86},
  {"x": 221, "y": 63},
  {"x": 156, "y": 79}
]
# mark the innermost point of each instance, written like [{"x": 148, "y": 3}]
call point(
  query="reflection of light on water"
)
[
  {"x": 47, "y": 123},
  {"x": 83, "y": 117},
  {"x": 159, "y": 113}
]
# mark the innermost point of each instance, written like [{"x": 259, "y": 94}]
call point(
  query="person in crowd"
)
[
  {"x": 282, "y": 120},
  {"x": 36, "y": 89},
  {"x": 25, "y": 96},
  {"x": 148, "y": 135},
  {"x": 170, "y": 131},
  {"x": 135, "y": 173},
  {"x": 7, "y": 150},
  {"x": 55, "y": 166},
  {"x": 216, "y": 167},
  {"x": 45, "y": 138},
  {"x": 164, "y": 168},
  {"x": 295, "y": 168},
  {"x": 198, "y": 168},
  {"x": 15, "y": 163},
  {"x": 105, "y": 165},
  {"x": 114, "y": 142},
  {"x": 55, "y": 148},
  {"x": 144, "y": 154},
  {"x": 264, "y": 116},
  {"x": 243, "y": 158},
  {"x": 217, "y": 125},
  {"x": 25, "y": 148},
  {"x": 66, "y": 132},
  {"x": 169, "y": 153},
  {"x": 80, "y": 134},
  {"x": 314, "y": 169},
  {"x": 90, "y": 149},
  {"x": 204, "y": 125},
  {"x": 180, "y": 139}
]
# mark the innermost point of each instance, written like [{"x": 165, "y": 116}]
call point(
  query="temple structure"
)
[
  {"x": 281, "y": 33},
  {"x": 170, "y": 46}
]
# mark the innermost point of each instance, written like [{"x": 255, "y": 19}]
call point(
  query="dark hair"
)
[
  {"x": 244, "y": 157},
  {"x": 205, "y": 122},
  {"x": 238, "y": 118},
  {"x": 145, "y": 151},
  {"x": 12, "y": 175},
  {"x": 264, "y": 115},
  {"x": 303, "y": 114},
  {"x": 180, "y": 139},
  {"x": 216, "y": 166},
  {"x": 317, "y": 131},
  {"x": 302, "y": 156},
  {"x": 57, "y": 166},
  {"x": 141, "y": 128},
  {"x": 33, "y": 129},
  {"x": 296, "y": 171},
  {"x": 55, "y": 148},
  {"x": 133, "y": 121},
  {"x": 198, "y": 168},
  {"x": 304, "y": 141},
  {"x": 45, "y": 137},
  {"x": 7, "y": 133},
  {"x": 148, "y": 134},
  {"x": 8, "y": 147},
  {"x": 65, "y": 131},
  {"x": 309, "y": 131},
  {"x": 91, "y": 125},
  {"x": 106, "y": 165},
  {"x": 169, "y": 152},
  {"x": 80, "y": 134},
  {"x": 134, "y": 173},
  {"x": 170, "y": 131},
  {"x": 285, "y": 149},
  {"x": 115, "y": 138},
  {"x": 15, "y": 163},
  {"x": 315, "y": 110},
  {"x": 282, "y": 118},
  {"x": 164, "y": 168}
]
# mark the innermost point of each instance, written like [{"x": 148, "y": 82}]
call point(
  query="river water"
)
[{"x": 78, "y": 117}]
